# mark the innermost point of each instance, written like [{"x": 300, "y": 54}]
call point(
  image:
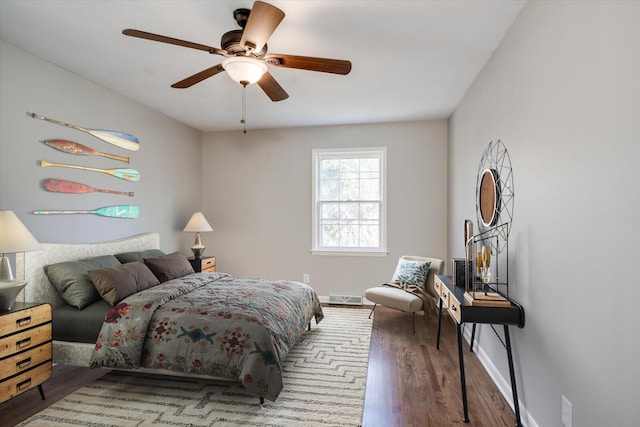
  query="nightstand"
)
[
  {"x": 204, "y": 264},
  {"x": 25, "y": 348}
]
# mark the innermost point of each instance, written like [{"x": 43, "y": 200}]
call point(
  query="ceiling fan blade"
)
[
  {"x": 198, "y": 77},
  {"x": 263, "y": 21},
  {"x": 324, "y": 65},
  {"x": 272, "y": 88},
  {"x": 171, "y": 40}
]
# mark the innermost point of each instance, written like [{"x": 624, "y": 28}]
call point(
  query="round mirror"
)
[
  {"x": 494, "y": 194},
  {"x": 489, "y": 197}
]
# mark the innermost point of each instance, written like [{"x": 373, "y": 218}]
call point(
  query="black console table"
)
[{"x": 452, "y": 298}]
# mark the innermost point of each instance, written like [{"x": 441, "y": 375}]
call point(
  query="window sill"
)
[{"x": 349, "y": 253}]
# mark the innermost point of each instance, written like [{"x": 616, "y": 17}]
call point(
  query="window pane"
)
[
  {"x": 349, "y": 212},
  {"x": 370, "y": 166},
  {"x": 369, "y": 236},
  {"x": 349, "y": 236},
  {"x": 329, "y": 168},
  {"x": 329, "y": 189},
  {"x": 349, "y": 189},
  {"x": 349, "y": 168},
  {"x": 330, "y": 211},
  {"x": 370, "y": 189},
  {"x": 330, "y": 235},
  {"x": 369, "y": 211}
]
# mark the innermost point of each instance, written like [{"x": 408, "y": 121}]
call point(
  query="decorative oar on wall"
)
[
  {"x": 119, "y": 139},
  {"x": 121, "y": 211},
  {"x": 71, "y": 147},
  {"x": 127, "y": 174},
  {"x": 62, "y": 186}
]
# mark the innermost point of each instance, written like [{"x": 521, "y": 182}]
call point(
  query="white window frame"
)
[{"x": 336, "y": 153}]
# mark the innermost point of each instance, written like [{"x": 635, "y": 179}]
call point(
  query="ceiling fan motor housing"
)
[{"x": 230, "y": 42}]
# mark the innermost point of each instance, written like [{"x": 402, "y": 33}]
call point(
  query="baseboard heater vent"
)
[{"x": 345, "y": 299}]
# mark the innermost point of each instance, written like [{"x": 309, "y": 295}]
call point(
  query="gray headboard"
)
[{"x": 32, "y": 264}]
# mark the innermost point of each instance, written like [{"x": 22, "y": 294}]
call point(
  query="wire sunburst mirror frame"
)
[{"x": 495, "y": 195}]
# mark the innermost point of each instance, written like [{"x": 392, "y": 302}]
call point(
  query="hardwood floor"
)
[
  {"x": 65, "y": 380},
  {"x": 409, "y": 382},
  {"x": 412, "y": 384}
]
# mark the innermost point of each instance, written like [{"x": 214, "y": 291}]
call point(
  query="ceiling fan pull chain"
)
[{"x": 244, "y": 109}]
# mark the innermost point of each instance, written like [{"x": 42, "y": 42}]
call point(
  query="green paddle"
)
[{"x": 122, "y": 211}]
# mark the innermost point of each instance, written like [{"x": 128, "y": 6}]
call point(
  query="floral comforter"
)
[{"x": 210, "y": 324}]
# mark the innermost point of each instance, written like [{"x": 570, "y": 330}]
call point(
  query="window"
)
[{"x": 349, "y": 209}]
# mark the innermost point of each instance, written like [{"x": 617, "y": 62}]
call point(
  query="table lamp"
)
[
  {"x": 14, "y": 237},
  {"x": 197, "y": 224}
]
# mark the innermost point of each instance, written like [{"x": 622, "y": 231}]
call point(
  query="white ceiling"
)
[{"x": 412, "y": 60}]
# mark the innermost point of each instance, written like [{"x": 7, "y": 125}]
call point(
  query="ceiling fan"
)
[{"x": 245, "y": 52}]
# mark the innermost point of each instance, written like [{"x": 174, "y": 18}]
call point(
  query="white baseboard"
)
[
  {"x": 504, "y": 385},
  {"x": 324, "y": 299}
]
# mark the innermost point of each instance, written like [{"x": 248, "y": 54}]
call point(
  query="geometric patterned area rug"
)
[{"x": 324, "y": 385}]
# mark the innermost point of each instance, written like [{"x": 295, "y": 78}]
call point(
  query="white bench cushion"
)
[{"x": 394, "y": 298}]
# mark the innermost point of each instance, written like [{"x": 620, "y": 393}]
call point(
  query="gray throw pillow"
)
[
  {"x": 116, "y": 283},
  {"x": 126, "y": 257},
  {"x": 72, "y": 281},
  {"x": 168, "y": 267}
]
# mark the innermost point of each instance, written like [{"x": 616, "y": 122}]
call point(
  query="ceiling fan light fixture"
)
[{"x": 244, "y": 70}]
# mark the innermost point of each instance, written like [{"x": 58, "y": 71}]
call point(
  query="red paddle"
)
[{"x": 62, "y": 186}]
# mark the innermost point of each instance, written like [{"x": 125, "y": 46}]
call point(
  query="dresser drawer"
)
[
  {"x": 437, "y": 285},
  {"x": 24, "y": 319},
  {"x": 209, "y": 265},
  {"x": 444, "y": 296},
  {"x": 25, "y": 381},
  {"x": 454, "y": 309},
  {"x": 24, "y": 361},
  {"x": 25, "y": 340}
]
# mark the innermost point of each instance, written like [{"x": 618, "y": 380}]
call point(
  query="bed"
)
[{"x": 154, "y": 314}]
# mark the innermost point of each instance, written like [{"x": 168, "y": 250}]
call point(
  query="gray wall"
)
[
  {"x": 169, "y": 159},
  {"x": 258, "y": 200},
  {"x": 563, "y": 93}
]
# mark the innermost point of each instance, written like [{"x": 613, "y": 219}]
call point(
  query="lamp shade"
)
[
  {"x": 14, "y": 236},
  {"x": 244, "y": 70},
  {"x": 197, "y": 223}
]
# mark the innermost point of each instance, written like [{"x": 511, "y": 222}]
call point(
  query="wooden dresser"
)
[
  {"x": 204, "y": 264},
  {"x": 25, "y": 349}
]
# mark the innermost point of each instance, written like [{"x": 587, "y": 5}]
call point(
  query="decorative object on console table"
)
[
  {"x": 485, "y": 274},
  {"x": 468, "y": 235},
  {"x": 197, "y": 224},
  {"x": 25, "y": 349},
  {"x": 204, "y": 264},
  {"x": 459, "y": 275},
  {"x": 14, "y": 237}
]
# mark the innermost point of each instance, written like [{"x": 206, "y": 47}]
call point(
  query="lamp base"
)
[
  {"x": 6, "y": 275},
  {"x": 197, "y": 251},
  {"x": 9, "y": 290}
]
